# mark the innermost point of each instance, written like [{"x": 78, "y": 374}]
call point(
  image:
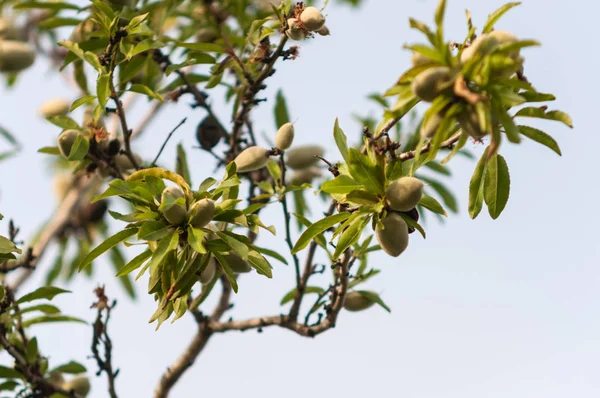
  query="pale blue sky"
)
[{"x": 505, "y": 308}]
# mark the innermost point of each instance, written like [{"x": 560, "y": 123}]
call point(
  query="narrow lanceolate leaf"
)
[
  {"x": 292, "y": 293},
  {"x": 135, "y": 263},
  {"x": 71, "y": 368},
  {"x": 541, "y": 113},
  {"x": 496, "y": 185},
  {"x": 540, "y": 137},
  {"x": 52, "y": 319},
  {"x": 181, "y": 167},
  {"x": 317, "y": 228},
  {"x": 495, "y": 16},
  {"x": 195, "y": 236},
  {"x": 431, "y": 204},
  {"x": 282, "y": 115},
  {"x": 9, "y": 373},
  {"x": 46, "y": 292},
  {"x": 79, "y": 149},
  {"x": 341, "y": 184},
  {"x": 350, "y": 236},
  {"x": 340, "y": 140},
  {"x": 107, "y": 245},
  {"x": 476, "y": 187}
]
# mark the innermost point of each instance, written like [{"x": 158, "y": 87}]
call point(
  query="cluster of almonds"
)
[
  {"x": 174, "y": 209},
  {"x": 432, "y": 82},
  {"x": 79, "y": 385},
  {"x": 301, "y": 159},
  {"x": 15, "y": 54},
  {"x": 310, "y": 19},
  {"x": 402, "y": 195}
]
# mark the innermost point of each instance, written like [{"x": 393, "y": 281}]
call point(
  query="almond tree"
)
[{"x": 195, "y": 239}]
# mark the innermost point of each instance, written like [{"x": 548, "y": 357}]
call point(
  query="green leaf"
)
[
  {"x": 86, "y": 99},
  {"x": 103, "y": 89},
  {"x": 228, "y": 272},
  {"x": 280, "y": 111},
  {"x": 107, "y": 245},
  {"x": 79, "y": 149},
  {"x": 366, "y": 172},
  {"x": 71, "y": 367},
  {"x": 135, "y": 263},
  {"x": 496, "y": 15},
  {"x": 7, "y": 246},
  {"x": 195, "y": 236},
  {"x": 512, "y": 132},
  {"x": 541, "y": 113},
  {"x": 50, "y": 150},
  {"x": 45, "y": 5},
  {"x": 270, "y": 253},
  {"x": 362, "y": 197},
  {"x": 9, "y": 373},
  {"x": 496, "y": 185},
  {"x": 154, "y": 230},
  {"x": 289, "y": 296},
  {"x": 11, "y": 385},
  {"x": 318, "y": 228},
  {"x": 142, "y": 89},
  {"x": 431, "y": 204},
  {"x": 64, "y": 122},
  {"x": 350, "y": 236},
  {"x": 340, "y": 140},
  {"x": 181, "y": 166},
  {"x": 235, "y": 243},
  {"x": 46, "y": 292},
  {"x": 374, "y": 297},
  {"x": 476, "y": 187},
  {"x": 341, "y": 184},
  {"x": 52, "y": 319},
  {"x": 259, "y": 263},
  {"x": 540, "y": 137},
  {"x": 45, "y": 308}
]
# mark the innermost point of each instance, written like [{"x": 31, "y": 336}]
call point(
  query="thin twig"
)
[
  {"x": 167, "y": 140},
  {"x": 288, "y": 221}
]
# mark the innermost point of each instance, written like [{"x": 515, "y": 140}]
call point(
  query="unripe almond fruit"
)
[
  {"x": 206, "y": 36},
  {"x": 56, "y": 378},
  {"x": 209, "y": 272},
  {"x": 15, "y": 56},
  {"x": 393, "y": 238},
  {"x": 123, "y": 162},
  {"x": 284, "y": 136},
  {"x": 79, "y": 385},
  {"x": 237, "y": 264},
  {"x": 55, "y": 107},
  {"x": 469, "y": 123},
  {"x": 202, "y": 212},
  {"x": 312, "y": 19},
  {"x": 431, "y": 82},
  {"x": 305, "y": 176},
  {"x": 324, "y": 31},
  {"x": 8, "y": 30},
  {"x": 355, "y": 301},
  {"x": 304, "y": 156},
  {"x": 294, "y": 31},
  {"x": 429, "y": 128},
  {"x": 486, "y": 41},
  {"x": 173, "y": 212},
  {"x": 405, "y": 193},
  {"x": 252, "y": 158},
  {"x": 418, "y": 59},
  {"x": 66, "y": 139}
]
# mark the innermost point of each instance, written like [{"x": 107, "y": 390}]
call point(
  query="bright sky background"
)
[{"x": 505, "y": 308}]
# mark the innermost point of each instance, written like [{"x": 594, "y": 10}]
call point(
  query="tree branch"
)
[{"x": 52, "y": 229}]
